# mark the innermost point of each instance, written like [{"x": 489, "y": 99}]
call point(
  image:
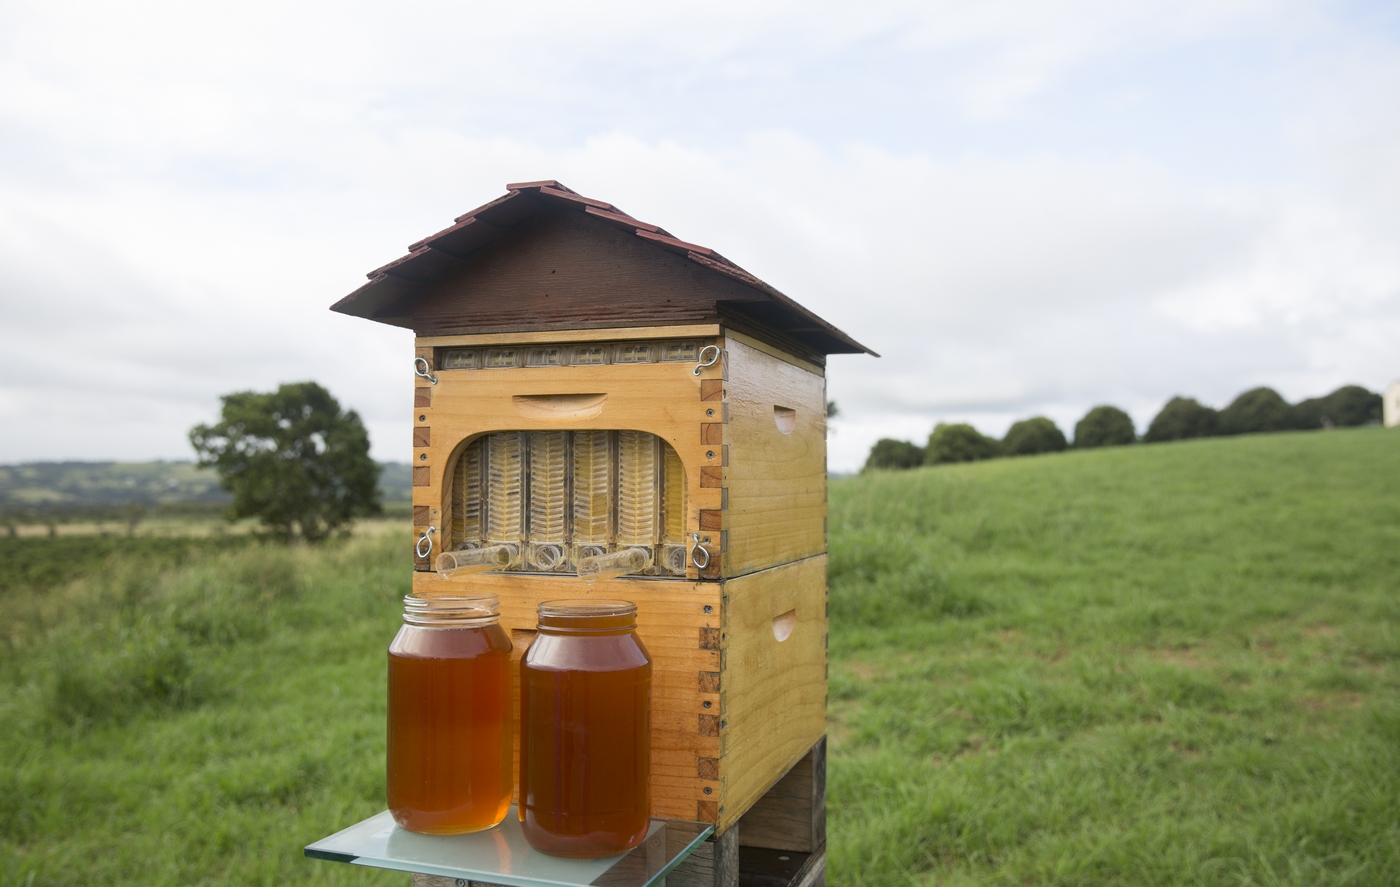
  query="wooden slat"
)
[
  {"x": 776, "y": 482},
  {"x": 422, "y": 436},
  {"x": 769, "y": 724}
]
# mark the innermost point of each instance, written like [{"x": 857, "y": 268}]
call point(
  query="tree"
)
[
  {"x": 1031, "y": 436},
  {"x": 890, "y": 453},
  {"x": 959, "y": 443},
  {"x": 291, "y": 458},
  {"x": 1182, "y": 418},
  {"x": 1348, "y": 406},
  {"x": 1104, "y": 426},
  {"x": 1258, "y": 409}
]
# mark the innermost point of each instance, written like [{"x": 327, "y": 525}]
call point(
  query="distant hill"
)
[{"x": 104, "y": 486}]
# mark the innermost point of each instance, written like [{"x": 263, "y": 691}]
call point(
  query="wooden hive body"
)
[{"x": 739, "y": 647}]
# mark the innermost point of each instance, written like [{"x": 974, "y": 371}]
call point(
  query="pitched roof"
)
[{"x": 390, "y": 285}]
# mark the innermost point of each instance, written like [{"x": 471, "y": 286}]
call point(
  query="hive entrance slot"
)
[
  {"x": 783, "y": 625},
  {"x": 785, "y": 418}
]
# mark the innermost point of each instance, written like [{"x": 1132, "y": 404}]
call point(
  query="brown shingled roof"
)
[{"x": 452, "y": 247}]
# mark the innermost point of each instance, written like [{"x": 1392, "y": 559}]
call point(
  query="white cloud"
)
[{"x": 188, "y": 188}]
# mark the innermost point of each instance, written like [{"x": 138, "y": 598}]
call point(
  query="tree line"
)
[{"x": 1254, "y": 411}]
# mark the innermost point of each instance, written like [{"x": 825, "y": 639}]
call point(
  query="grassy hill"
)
[
  {"x": 78, "y": 489},
  {"x": 1171, "y": 664},
  {"x": 1148, "y": 665}
]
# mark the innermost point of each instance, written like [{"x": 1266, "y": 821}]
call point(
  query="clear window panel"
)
[
  {"x": 505, "y": 473},
  {"x": 562, "y": 496},
  {"x": 593, "y": 492},
  {"x": 549, "y": 356},
  {"x": 633, "y": 352},
  {"x": 466, "y": 495},
  {"x": 498, "y": 358},
  {"x": 680, "y": 351},
  {"x": 548, "y": 477},
  {"x": 590, "y": 355},
  {"x": 458, "y": 359},
  {"x": 637, "y": 500}
]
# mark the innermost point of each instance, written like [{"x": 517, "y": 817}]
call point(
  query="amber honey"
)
[
  {"x": 450, "y": 730},
  {"x": 585, "y": 731}
]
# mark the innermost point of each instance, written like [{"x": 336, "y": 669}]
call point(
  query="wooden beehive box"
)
[{"x": 567, "y": 353}]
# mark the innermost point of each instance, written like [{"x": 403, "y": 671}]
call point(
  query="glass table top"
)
[{"x": 501, "y": 856}]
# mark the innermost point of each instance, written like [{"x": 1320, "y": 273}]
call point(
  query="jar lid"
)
[
  {"x": 450, "y": 608},
  {"x": 587, "y": 607}
]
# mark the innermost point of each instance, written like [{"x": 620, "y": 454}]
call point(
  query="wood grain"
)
[
  {"x": 769, "y": 724},
  {"x": 776, "y": 482}
]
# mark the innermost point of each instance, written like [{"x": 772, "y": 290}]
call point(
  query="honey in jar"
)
[
  {"x": 449, "y": 742},
  {"x": 585, "y": 730}
]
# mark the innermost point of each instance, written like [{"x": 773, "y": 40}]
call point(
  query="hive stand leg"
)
[
  {"x": 784, "y": 832},
  {"x": 714, "y": 863}
]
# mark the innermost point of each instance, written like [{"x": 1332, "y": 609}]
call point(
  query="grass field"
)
[{"x": 1172, "y": 664}]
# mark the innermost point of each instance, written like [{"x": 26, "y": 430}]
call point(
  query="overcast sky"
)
[{"x": 1026, "y": 207}]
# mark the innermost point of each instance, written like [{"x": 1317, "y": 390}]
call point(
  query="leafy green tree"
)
[
  {"x": 1348, "y": 406},
  {"x": 1031, "y": 436},
  {"x": 891, "y": 453},
  {"x": 959, "y": 443},
  {"x": 291, "y": 458},
  {"x": 1258, "y": 409},
  {"x": 1104, "y": 426},
  {"x": 1183, "y": 418}
]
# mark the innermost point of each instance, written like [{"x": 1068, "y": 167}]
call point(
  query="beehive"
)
[{"x": 584, "y": 382}]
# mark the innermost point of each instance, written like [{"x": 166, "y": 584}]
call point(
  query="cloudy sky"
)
[{"x": 1026, "y": 207}]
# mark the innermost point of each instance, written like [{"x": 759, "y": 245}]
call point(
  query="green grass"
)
[
  {"x": 200, "y": 724},
  {"x": 1172, "y": 664},
  {"x": 33, "y": 566}
]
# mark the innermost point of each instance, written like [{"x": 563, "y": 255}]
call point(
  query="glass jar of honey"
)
[
  {"x": 585, "y": 730},
  {"x": 449, "y": 748}
]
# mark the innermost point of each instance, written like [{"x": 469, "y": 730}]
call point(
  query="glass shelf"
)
[{"x": 501, "y": 856}]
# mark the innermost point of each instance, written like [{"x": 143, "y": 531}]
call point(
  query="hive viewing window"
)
[{"x": 558, "y": 497}]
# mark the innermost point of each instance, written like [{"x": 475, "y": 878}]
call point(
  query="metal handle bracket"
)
[
  {"x": 707, "y": 362},
  {"x": 423, "y": 371},
  {"x": 698, "y": 555},
  {"x": 427, "y": 537}
]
